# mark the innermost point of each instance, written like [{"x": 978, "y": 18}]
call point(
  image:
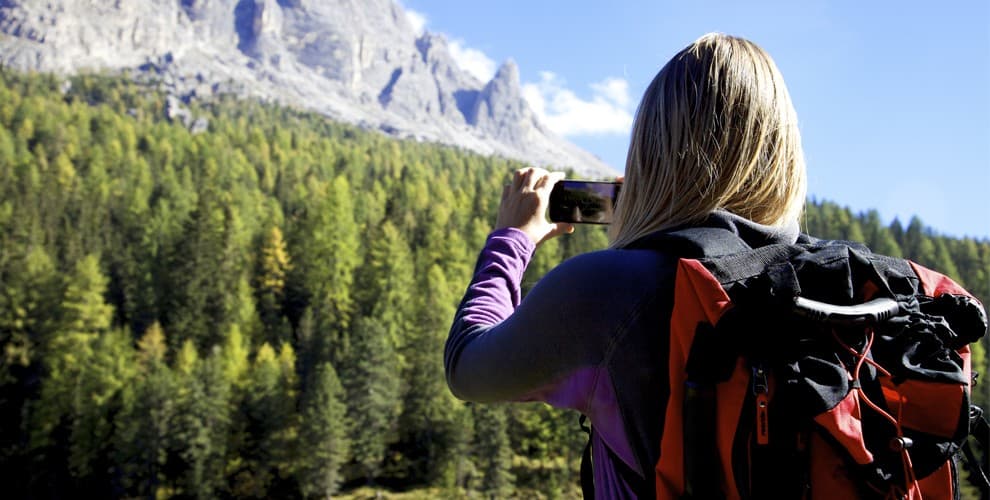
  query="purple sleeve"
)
[
  {"x": 495, "y": 290},
  {"x": 475, "y": 345}
]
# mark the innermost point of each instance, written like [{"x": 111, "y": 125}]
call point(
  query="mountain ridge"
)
[{"x": 355, "y": 62}]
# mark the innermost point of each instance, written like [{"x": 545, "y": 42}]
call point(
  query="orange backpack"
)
[{"x": 816, "y": 370}]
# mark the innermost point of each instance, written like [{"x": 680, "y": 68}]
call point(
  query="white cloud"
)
[
  {"x": 471, "y": 60},
  {"x": 606, "y": 112},
  {"x": 559, "y": 108},
  {"x": 613, "y": 89},
  {"x": 417, "y": 20}
]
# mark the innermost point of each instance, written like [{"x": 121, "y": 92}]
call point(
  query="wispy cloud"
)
[
  {"x": 471, "y": 60},
  {"x": 418, "y": 20},
  {"x": 606, "y": 112}
]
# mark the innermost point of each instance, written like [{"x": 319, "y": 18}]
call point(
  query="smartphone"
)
[{"x": 583, "y": 202}]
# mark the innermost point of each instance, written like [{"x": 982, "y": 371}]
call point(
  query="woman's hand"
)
[{"x": 524, "y": 205}]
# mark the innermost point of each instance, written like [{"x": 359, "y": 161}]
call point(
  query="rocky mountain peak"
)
[
  {"x": 508, "y": 73},
  {"x": 358, "y": 61},
  {"x": 500, "y": 108}
]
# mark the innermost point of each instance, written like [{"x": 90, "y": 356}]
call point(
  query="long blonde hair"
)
[{"x": 715, "y": 130}]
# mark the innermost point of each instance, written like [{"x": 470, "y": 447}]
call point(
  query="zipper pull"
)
[{"x": 761, "y": 390}]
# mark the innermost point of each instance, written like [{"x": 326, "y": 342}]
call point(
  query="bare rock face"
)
[
  {"x": 500, "y": 109},
  {"x": 357, "y": 61}
]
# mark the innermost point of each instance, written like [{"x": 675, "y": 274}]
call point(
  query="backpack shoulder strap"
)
[{"x": 694, "y": 242}]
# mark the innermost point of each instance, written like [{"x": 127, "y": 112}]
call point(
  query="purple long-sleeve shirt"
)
[{"x": 590, "y": 336}]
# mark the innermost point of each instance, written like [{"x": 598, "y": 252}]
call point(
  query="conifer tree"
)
[
  {"x": 917, "y": 244},
  {"x": 269, "y": 427},
  {"x": 191, "y": 266},
  {"x": 388, "y": 280},
  {"x": 426, "y": 422},
  {"x": 143, "y": 429},
  {"x": 492, "y": 451},
  {"x": 245, "y": 315},
  {"x": 974, "y": 275},
  {"x": 234, "y": 358},
  {"x": 897, "y": 231},
  {"x": 878, "y": 238},
  {"x": 371, "y": 379},
  {"x": 200, "y": 440},
  {"x": 942, "y": 260},
  {"x": 98, "y": 395},
  {"x": 324, "y": 442},
  {"x": 29, "y": 292},
  {"x": 327, "y": 244},
  {"x": 83, "y": 316},
  {"x": 274, "y": 265}
]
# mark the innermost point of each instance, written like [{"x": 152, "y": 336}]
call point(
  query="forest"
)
[{"x": 258, "y": 310}]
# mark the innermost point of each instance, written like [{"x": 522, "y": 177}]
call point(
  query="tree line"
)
[{"x": 259, "y": 310}]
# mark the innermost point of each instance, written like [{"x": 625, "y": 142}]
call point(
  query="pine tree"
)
[
  {"x": 245, "y": 315},
  {"x": 269, "y": 408},
  {"x": 942, "y": 260},
  {"x": 897, "y": 231},
  {"x": 98, "y": 395},
  {"x": 324, "y": 435},
  {"x": 388, "y": 279},
  {"x": 199, "y": 442},
  {"x": 371, "y": 379},
  {"x": 143, "y": 430},
  {"x": 327, "y": 243},
  {"x": 83, "y": 317},
  {"x": 234, "y": 358},
  {"x": 200, "y": 274},
  {"x": 274, "y": 265},
  {"x": 878, "y": 238},
  {"x": 492, "y": 451},
  {"x": 917, "y": 243},
  {"x": 428, "y": 408},
  {"x": 29, "y": 292}
]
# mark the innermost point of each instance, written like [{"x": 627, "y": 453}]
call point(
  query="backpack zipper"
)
[{"x": 761, "y": 399}]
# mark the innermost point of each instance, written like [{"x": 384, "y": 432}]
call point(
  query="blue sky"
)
[{"x": 893, "y": 98}]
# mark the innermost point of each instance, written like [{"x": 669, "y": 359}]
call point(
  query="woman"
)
[{"x": 715, "y": 143}]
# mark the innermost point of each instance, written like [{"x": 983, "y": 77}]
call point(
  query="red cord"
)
[
  {"x": 856, "y": 353},
  {"x": 911, "y": 481}
]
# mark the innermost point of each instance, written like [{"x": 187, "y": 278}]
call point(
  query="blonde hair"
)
[{"x": 715, "y": 130}]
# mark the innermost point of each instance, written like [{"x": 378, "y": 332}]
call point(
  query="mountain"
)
[{"x": 356, "y": 61}]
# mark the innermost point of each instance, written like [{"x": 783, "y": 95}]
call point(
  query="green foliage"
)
[
  {"x": 199, "y": 443},
  {"x": 144, "y": 425},
  {"x": 324, "y": 443},
  {"x": 492, "y": 451},
  {"x": 175, "y": 309},
  {"x": 372, "y": 383}
]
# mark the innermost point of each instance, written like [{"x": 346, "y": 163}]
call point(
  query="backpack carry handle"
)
[{"x": 868, "y": 313}]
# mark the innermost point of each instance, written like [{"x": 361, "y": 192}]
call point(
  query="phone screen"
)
[{"x": 583, "y": 202}]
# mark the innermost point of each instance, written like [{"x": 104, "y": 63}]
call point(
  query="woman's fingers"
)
[
  {"x": 524, "y": 204},
  {"x": 561, "y": 228},
  {"x": 525, "y": 178},
  {"x": 551, "y": 178}
]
